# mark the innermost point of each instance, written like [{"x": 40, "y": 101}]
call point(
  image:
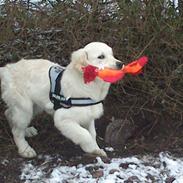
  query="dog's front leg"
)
[
  {"x": 91, "y": 129},
  {"x": 79, "y": 135}
]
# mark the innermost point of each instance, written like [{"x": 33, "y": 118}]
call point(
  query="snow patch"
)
[
  {"x": 109, "y": 149},
  {"x": 135, "y": 169},
  {"x": 4, "y": 162}
]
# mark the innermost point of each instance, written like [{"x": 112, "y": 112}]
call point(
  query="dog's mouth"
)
[
  {"x": 90, "y": 72},
  {"x": 102, "y": 67},
  {"x": 112, "y": 68}
]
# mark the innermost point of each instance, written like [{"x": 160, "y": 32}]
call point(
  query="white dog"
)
[{"x": 26, "y": 86}]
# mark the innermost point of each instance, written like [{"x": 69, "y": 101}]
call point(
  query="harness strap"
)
[{"x": 56, "y": 95}]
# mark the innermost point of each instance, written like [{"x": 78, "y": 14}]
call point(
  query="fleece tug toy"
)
[{"x": 111, "y": 75}]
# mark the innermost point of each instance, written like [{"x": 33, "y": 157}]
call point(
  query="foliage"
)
[{"x": 53, "y": 29}]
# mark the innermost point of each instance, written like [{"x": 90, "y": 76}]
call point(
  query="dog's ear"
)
[{"x": 79, "y": 59}]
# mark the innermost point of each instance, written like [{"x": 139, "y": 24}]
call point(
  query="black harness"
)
[{"x": 56, "y": 95}]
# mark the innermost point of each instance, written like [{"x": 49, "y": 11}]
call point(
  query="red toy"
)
[{"x": 112, "y": 75}]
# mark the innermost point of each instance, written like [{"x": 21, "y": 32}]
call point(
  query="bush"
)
[{"x": 53, "y": 29}]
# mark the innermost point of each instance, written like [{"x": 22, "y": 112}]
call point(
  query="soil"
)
[{"x": 148, "y": 136}]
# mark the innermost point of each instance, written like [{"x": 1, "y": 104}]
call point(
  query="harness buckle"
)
[{"x": 66, "y": 103}]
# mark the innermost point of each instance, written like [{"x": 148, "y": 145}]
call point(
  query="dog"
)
[{"x": 25, "y": 89}]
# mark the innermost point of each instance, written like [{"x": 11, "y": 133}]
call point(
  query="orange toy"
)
[{"x": 112, "y": 75}]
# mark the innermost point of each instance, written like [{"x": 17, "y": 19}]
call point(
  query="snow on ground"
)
[{"x": 137, "y": 169}]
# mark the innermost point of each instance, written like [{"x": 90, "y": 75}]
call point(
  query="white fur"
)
[{"x": 25, "y": 89}]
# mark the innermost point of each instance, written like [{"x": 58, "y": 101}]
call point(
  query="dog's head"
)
[{"x": 97, "y": 54}]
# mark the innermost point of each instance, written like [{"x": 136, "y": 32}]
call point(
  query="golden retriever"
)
[{"x": 25, "y": 89}]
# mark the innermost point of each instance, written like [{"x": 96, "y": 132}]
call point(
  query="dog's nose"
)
[{"x": 119, "y": 65}]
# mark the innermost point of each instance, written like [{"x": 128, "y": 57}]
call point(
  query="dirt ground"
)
[{"x": 147, "y": 137}]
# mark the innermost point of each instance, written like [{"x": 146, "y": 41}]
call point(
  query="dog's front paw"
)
[
  {"x": 28, "y": 153},
  {"x": 99, "y": 152},
  {"x": 31, "y": 131}
]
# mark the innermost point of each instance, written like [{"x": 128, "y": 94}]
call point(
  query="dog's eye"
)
[{"x": 101, "y": 57}]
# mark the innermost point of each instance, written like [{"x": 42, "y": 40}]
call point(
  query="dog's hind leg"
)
[
  {"x": 29, "y": 131},
  {"x": 32, "y": 131},
  {"x": 20, "y": 121},
  {"x": 8, "y": 115}
]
